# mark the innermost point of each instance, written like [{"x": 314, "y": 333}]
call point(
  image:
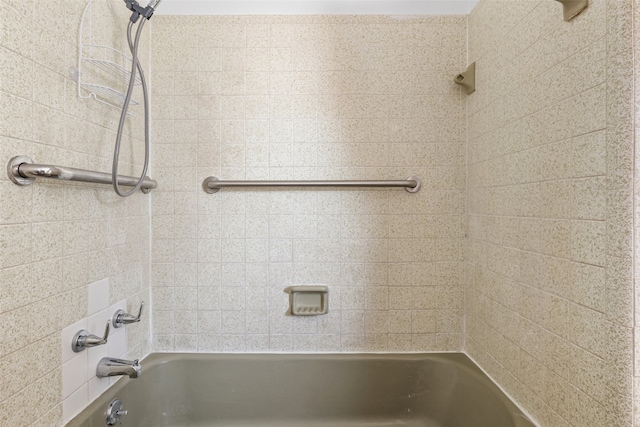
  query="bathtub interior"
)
[{"x": 435, "y": 390}]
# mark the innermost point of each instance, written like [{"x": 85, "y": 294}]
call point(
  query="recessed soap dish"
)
[{"x": 308, "y": 300}]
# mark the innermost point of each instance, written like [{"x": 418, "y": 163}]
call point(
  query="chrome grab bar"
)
[
  {"x": 22, "y": 171},
  {"x": 212, "y": 184}
]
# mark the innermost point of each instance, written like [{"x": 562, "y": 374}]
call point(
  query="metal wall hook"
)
[
  {"x": 83, "y": 339},
  {"x": 467, "y": 79},
  {"x": 571, "y": 8},
  {"x": 121, "y": 318}
]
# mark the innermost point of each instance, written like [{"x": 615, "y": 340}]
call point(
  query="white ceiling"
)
[{"x": 316, "y": 7}]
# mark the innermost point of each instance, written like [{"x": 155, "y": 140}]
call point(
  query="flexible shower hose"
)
[{"x": 133, "y": 47}]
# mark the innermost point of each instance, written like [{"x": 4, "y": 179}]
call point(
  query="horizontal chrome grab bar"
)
[
  {"x": 212, "y": 184},
  {"x": 22, "y": 171}
]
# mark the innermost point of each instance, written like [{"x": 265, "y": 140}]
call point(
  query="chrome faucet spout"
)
[{"x": 111, "y": 367}]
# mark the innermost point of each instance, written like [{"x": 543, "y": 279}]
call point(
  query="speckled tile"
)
[{"x": 556, "y": 158}]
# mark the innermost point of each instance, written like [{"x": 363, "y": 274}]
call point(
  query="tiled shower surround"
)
[
  {"x": 56, "y": 238},
  {"x": 313, "y": 97},
  {"x": 518, "y": 250},
  {"x": 549, "y": 300}
]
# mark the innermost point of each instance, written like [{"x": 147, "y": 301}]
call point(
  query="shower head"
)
[{"x": 138, "y": 11}]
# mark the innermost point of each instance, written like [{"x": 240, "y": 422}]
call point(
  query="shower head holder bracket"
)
[{"x": 138, "y": 11}]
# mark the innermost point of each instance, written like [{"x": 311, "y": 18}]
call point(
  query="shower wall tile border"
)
[{"x": 634, "y": 10}]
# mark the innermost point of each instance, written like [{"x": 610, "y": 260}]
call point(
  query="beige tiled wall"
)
[
  {"x": 549, "y": 306},
  {"x": 56, "y": 238},
  {"x": 308, "y": 98},
  {"x": 635, "y": 42},
  {"x": 549, "y": 267}
]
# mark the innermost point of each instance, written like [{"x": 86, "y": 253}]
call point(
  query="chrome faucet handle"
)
[
  {"x": 84, "y": 339},
  {"x": 121, "y": 318}
]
